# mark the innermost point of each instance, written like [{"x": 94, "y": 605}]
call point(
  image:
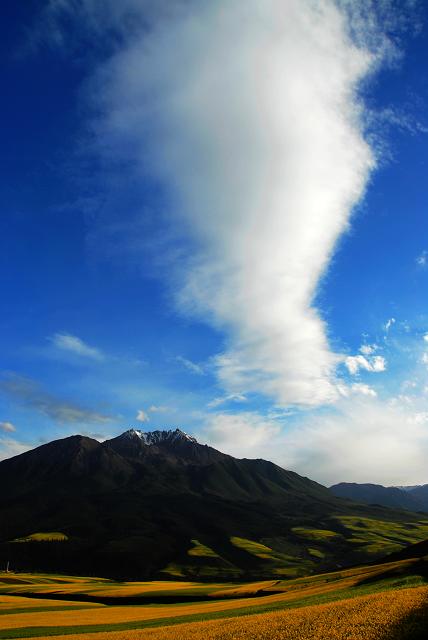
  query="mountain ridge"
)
[{"x": 413, "y": 498}]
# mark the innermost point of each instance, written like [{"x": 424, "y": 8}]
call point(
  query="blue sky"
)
[{"x": 214, "y": 217}]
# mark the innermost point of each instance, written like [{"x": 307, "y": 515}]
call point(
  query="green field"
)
[
  {"x": 45, "y": 536},
  {"x": 343, "y": 540}
]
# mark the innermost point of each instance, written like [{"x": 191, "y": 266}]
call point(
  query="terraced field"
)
[{"x": 41, "y": 606}]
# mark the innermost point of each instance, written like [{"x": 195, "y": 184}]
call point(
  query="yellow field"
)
[
  {"x": 8, "y": 603},
  {"x": 120, "y": 614},
  {"x": 288, "y": 589},
  {"x": 375, "y": 617},
  {"x": 48, "y": 606}
]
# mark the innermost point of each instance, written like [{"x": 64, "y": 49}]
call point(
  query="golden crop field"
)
[
  {"x": 33, "y": 606},
  {"x": 12, "y": 603},
  {"x": 395, "y": 615}
]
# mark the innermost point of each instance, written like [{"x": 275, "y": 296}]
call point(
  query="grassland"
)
[
  {"x": 340, "y": 541},
  {"x": 47, "y": 536},
  {"x": 41, "y": 606},
  {"x": 379, "y": 537}
]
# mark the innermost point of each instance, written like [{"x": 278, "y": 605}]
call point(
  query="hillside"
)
[{"x": 160, "y": 504}]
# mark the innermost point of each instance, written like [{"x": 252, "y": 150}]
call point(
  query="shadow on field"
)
[
  {"x": 412, "y": 627},
  {"x": 119, "y": 601}
]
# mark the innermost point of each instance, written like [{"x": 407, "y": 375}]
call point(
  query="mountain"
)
[
  {"x": 161, "y": 505},
  {"x": 420, "y": 493},
  {"x": 411, "y": 498}
]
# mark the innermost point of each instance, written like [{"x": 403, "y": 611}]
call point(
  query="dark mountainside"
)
[
  {"x": 411, "y": 498},
  {"x": 161, "y": 505}
]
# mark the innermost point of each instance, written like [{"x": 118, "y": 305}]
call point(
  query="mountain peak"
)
[
  {"x": 172, "y": 444},
  {"x": 157, "y": 437}
]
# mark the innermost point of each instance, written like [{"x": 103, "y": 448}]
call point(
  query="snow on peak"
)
[
  {"x": 158, "y": 437},
  {"x": 133, "y": 433}
]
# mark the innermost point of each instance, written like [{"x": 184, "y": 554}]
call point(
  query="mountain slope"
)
[{"x": 161, "y": 504}]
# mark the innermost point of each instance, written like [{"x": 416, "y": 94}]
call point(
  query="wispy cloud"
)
[
  {"x": 76, "y": 346},
  {"x": 232, "y": 397},
  {"x": 159, "y": 409},
  {"x": 8, "y": 427},
  {"x": 388, "y": 324},
  {"x": 29, "y": 393},
  {"x": 193, "y": 367}
]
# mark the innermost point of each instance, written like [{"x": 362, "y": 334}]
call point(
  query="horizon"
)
[{"x": 213, "y": 217}]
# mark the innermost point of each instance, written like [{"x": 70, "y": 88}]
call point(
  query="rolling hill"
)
[{"x": 160, "y": 504}]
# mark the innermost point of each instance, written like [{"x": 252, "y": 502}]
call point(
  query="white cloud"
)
[
  {"x": 142, "y": 416},
  {"x": 419, "y": 418},
  {"x": 425, "y": 358},
  {"x": 365, "y": 389},
  {"x": 426, "y": 337},
  {"x": 250, "y": 113},
  {"x": 7, "y": 426},
  {"x": 365, "y": 440},
  {"x": 376, "y": 364},
  {"x": 422, "y": 259},
  {"x": 362, "y": 439},
  {"x": 243, "y": 434},
  {"x": 357, "y": 387},
  {"x": 10, "y": 447},
  {"x": 193, "y": 367},
  {"x": 76, "y": 346},
  {"x": 368, "y": 349}
]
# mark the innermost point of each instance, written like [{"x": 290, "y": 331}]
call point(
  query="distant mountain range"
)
[
  {"x": 414, "y": 498},
  {"x": 160, "y": 504}
]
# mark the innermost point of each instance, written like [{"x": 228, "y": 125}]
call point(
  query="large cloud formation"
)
[
  {"x": 249, "y": 113},
  {"x": 250, "y": 117},
  {"x": 362, "y": 440}
]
